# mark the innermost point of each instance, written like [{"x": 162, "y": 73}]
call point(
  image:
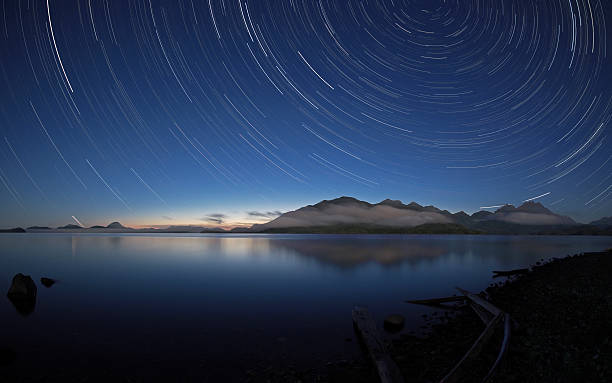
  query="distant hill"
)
[
  {"x": 38, "y": 228},
  {"x": 70, "y": 226},
  {"x": 529, "y": 213},
  {"x": 115, "y": 225},
  {"x": 603, "y": 222},
  {"x": 13, "y": 230},
  {"x": 184, "y": 229},
  {"x": 347, "y": 214}
]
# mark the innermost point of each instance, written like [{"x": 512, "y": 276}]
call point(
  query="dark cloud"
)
[
  {"x": 214, "y": 218},
  {"x": 265, "y": 214}
]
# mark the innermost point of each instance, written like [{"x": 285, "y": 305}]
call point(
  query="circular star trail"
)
[{"x": 174, "y": 109}]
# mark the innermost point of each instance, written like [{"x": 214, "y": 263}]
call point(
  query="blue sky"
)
[{"x": 160, "y": 113}]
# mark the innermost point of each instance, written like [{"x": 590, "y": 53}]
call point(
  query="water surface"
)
[{"x": 209, "y": 307}]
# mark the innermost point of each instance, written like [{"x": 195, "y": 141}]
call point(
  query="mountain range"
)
[
  {"x": 347, "y": 214},
  {"x": 117, "y": 227},
  {"x": 350, "y": 215}
]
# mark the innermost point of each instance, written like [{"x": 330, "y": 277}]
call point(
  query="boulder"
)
[
  {"x": 47, "y": 282},
  {"x": 394, "y": 323},
  {"x": 7, "y": 356},
  {"x": 22, "y": 294}
]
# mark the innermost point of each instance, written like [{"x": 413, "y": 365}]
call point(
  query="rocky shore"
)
[
  {"x": 562, "y": 332},
  {"x": 562, "y": 315}
]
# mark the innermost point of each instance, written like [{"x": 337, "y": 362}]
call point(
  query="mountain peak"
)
[
  {"x": 115, "y": 225},
  {"x": 482, "y": 214},
  {"x": 340, "y": 201},
  {"x": 605, "y": 221},
  {"x": 507, "y": 208},
  {"x": 533, "y": 207},
  {"x": 392, "y": 202}
]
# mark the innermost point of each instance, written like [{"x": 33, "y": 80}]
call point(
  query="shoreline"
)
[
  {"x": 603, "y": 233},
  {"x": 561, "y": 313}
]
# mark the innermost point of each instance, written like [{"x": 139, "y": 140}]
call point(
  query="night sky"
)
[{"x": 224, "y": 112}]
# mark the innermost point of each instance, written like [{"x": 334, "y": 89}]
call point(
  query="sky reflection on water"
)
[{"x": 280, "y": 298}]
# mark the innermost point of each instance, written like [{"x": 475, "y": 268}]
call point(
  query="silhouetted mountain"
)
[
  {"x": 241, "y": 230},
  {"x": 13, "y": 230},
  {"x": 70, "y": 226},
  {"x": 480, "y": 215},
  {"x": 98, "y": 227},
  {"x": 603, "y": 222},
  {"x": 214, "y": 230},
  {"x": 115, "y": 225},
  {"x": 183, "y": 229},
  {"x": 38, "y": 228}
]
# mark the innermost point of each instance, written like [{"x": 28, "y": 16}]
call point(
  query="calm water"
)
[{"x": 213, "y": 306}]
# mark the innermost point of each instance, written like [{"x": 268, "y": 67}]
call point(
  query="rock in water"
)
[
  {"x": 22, "y": 294},
  {"x": 7, "y": 356},
  {"x": 47, "y": 282},
  {"x": 22, "y": 285},
  {"x": 394, "y": 323}
]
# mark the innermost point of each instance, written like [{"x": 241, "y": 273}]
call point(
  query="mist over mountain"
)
[
  {"x": 348, "y": 210},
  {"x": 396, "y": 214},
  {"x": 346, "y": 215},
  {"x": 529, "y": 213}
]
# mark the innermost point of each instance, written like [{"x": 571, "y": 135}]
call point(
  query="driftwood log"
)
[
  {"x": 491, "y": 316},
  {"x": 437, "y": 301},
  {"x": 507, "y": 273},
  {"x": 365, "y": 326}
]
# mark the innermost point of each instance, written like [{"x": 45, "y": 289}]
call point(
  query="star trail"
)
[{"x": 159, "y": 112}]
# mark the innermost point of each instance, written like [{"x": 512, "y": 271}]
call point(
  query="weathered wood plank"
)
[
  {"x": 366, "y": 329},
  {"x": 480, "y": 301},
  {"x": 502, "y": 273},
  {"x": 502, "y": 350},
  {"x": 473, "y": 352},
  {"x": 436, "y": 301},
  {"x": 483, "y": 314}
]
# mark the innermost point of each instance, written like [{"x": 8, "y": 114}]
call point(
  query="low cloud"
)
[
  {"x": 167, "y": 217},
  {"x": 217, "y": 218},
  {"x": 356, "y": 214},
  {"x": 265, "y": 214}
]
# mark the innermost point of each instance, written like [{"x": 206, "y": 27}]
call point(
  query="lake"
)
[{"x": 197, "y": 307}]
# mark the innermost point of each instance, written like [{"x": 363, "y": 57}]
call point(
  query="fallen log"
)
[
  {"x": 480, "y": 301},
  {"x": 366, "y": 330},
  {"x": 502, "y": 350},
  {"x": 437, "y": 301},
  {"x": 490, "y": 316},
  {"x": 483, "y": 314},
  {"x": 507, "y": 273},
  {"x": 473, "y": 352}
]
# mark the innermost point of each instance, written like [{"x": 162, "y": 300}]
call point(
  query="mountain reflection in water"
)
[{"x": 198, "y": 303}]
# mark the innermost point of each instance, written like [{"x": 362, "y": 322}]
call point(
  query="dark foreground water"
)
[{"x": 210, "y": 307}]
